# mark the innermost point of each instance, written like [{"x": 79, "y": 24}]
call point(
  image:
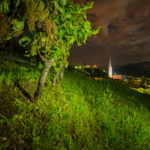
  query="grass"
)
[
  {"x": 11, "y": 72},
  {"x": 79, "y": 113}
]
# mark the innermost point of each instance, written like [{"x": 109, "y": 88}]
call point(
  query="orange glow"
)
[{"x": 117, "y": 77}]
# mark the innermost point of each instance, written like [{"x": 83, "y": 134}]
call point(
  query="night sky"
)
[{"x": 125, "y": 34}]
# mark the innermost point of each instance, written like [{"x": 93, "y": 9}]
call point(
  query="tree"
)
[{"x": 53, "y": 25}]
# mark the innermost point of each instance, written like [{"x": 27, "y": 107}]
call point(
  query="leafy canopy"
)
[{"x": 53, "y": 25}]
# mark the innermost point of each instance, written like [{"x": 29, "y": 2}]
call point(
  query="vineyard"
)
[
  {"x": 46, "y": 103},
  {"x": 78, "y": 113},
  {"x": 140, "y": 84}
]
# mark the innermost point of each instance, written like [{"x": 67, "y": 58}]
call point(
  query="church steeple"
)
[{"x": 110, "y": 69}]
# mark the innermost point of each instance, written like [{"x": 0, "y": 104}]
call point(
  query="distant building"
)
[
  {"x": 95, "y": 66},
  {"x": 117, "y": 77},
  {"x": 87, "y": 66},
  {"x": 110, "y": 72}
]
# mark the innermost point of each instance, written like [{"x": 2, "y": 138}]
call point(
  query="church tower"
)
[{"x": 109, "y": 69}]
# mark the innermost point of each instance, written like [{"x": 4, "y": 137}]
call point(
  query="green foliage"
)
[
  {"x": 140, "y": 84},
  {"x": 142, "y": 90},
  {"x": 9, "y": 26},
  {"x": 17, "y": 25},
  {"x": 29, "y": 14},
  {"x": 3, "y": 26},
  {"x": 58, "y": 7},
  {"x": 58, "y": 27},
  {"x": 53, "y": 27},
  {"x": 4, "y": 6},
  {"x": 25, "y": 41}
]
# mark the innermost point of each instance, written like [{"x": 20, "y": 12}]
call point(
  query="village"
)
[
  {"x": 137, "y": 83},
  {"x": 100, "y": 72}
]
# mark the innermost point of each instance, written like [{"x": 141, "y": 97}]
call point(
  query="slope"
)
[{"x": 79, "y": 113}]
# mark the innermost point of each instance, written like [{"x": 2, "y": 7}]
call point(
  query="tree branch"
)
[{"x": 16, "y": 59}]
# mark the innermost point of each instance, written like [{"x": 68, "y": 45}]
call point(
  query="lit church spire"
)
[{"x": 110, "y": 69}]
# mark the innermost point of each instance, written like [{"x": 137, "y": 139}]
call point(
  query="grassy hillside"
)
[{"x": 78, "y": 114}]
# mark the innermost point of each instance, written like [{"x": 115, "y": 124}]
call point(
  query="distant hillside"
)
[{"x": 137, "y": 69}]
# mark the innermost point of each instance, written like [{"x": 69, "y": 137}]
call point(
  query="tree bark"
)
[
  {"x": 41, "y": 83},
  {"x": 59, "y": 75},
  {"x": 62, "y": 72},
  {"x": 56, "y": 78}
]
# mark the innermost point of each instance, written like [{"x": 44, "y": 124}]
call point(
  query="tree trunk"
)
[
  {"x": 59, "y": 75},
  {"x": 62, "y": 72},
  {"x": 56, "y": 78},
  {"x": 41, "y": 83}
]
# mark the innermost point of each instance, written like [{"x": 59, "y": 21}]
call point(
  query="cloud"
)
[{"x": 125, "y": 33}]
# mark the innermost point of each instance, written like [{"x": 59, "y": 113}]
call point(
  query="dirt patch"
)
[
  {"x": 11, "y": 135},
  {"x": 7, "y": 97},
  {"x": 28, "y": 88},
  {"x": 23, "y": 91}
]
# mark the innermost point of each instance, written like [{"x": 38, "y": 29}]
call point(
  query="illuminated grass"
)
[
  {"x": 11, "y": 72},
  {"x": 81, "y": 113}
]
